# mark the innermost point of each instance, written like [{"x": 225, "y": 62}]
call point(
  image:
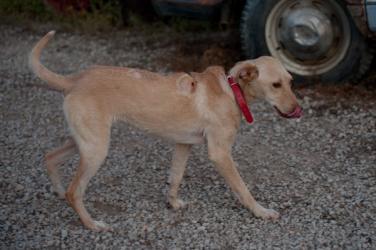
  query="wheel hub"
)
[
  {"x": 310, "y": 37},
  {"x": 306, "y": 33}
]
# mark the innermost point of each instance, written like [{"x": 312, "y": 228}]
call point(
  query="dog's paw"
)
[
  {"x": 100, "y": 226},
  {"x": 176, "y": 204},
  {"x": 266, "y": 214}
]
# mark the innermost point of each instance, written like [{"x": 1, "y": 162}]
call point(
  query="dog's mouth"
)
[{"x": 296, "y": 113}]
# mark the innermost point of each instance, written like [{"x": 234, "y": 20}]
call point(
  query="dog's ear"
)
[
  {"x": 186, "y": 84},
  {"x": 248, "y": 73}
]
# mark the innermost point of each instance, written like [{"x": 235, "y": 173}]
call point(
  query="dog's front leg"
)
[
  {"x": 219, "y": 146},
  {"x": 179, "y": 161}
]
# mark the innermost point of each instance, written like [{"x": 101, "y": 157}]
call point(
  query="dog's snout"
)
[{"x": 297, "y": 112}]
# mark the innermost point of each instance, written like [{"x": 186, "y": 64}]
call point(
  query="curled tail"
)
[{"x": 54, "y": 80}]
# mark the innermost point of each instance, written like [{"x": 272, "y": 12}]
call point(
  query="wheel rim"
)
[{"x": 309, "y": 37}]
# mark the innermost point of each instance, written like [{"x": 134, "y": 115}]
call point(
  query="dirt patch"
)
[{"x": 199, "y": 52}]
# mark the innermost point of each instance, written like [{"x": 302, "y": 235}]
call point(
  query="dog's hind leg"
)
[
  {"x": 93, "y": 150},
  {"x": 56, "y": 157},
  {"x": 179, "y": 161}
]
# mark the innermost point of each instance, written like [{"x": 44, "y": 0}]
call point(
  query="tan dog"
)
[{"x": 185, "y": 108}]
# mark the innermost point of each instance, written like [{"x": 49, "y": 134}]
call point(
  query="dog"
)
[{"x": 187, "y": 109}]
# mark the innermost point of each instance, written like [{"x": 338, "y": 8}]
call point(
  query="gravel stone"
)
[{"x": 319, "y": 171}]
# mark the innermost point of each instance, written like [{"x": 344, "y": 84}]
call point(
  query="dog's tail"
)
[{"x": 54, "y": 80}]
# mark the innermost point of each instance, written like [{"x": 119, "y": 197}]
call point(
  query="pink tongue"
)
[{"x": 298, "y": 112}]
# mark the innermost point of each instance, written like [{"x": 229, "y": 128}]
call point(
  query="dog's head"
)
[{"x": 266, "y": 78}]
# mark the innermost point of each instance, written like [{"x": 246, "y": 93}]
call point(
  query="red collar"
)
[{"x": 240, "y": 99}]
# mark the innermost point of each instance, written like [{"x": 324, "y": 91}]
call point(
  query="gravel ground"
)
[{"x": 318, "y": 172}]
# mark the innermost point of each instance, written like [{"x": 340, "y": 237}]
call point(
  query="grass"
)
[
  {"x": 102, "y": 15},
  {"x": 29, "y": 8}
]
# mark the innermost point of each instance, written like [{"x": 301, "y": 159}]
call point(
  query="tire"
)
[
  {"x": 274, "y": 27},
  {"x": 143, "y": 8}
]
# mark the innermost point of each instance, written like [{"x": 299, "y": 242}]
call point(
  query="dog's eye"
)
[{"x": 277, "y": 85}]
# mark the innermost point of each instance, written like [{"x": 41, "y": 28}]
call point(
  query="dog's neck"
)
[
  {"x": 249, "y": 97},
  {"x": 244, "y": 86}
]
